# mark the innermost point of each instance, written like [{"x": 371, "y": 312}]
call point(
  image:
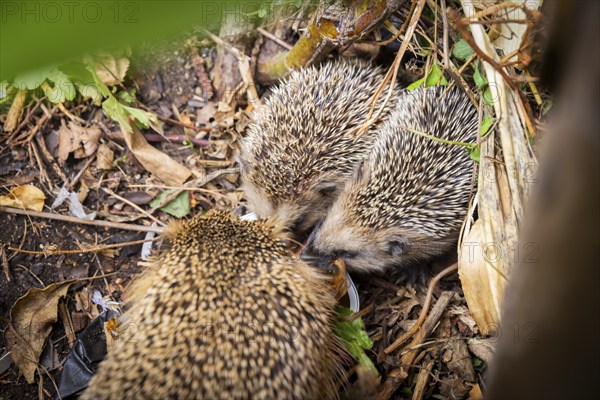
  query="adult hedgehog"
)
[
  {"x": 407, "y": 200},
  {"x": 299, "y": 151},
  {"x": 225, "y": 313}
]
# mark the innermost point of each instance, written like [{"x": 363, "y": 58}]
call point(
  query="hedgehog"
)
[
  {"x": 299, "y": 151},
  {"x": 406, "y": 201},
  {"x": 225, "y": 312}
]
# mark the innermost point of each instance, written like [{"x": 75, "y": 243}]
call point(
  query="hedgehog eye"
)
[
  {"x": 399, "y": 247},
  {"x": 348, "y": 255},
  {"x": 327, "y": 189}
]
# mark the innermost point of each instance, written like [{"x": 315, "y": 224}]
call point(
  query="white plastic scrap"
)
[
  {"x": 147, "y": 246},
  {"x": 61, "y": 196},
  {"x": 104, "y": 304},
  {"x": 249, "y": 217},
  {"x": 76, "y": 208}
]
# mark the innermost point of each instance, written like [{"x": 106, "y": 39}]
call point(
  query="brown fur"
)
[
  {"x": 407, "y": 200},
  {"x": 298, "y": 153},
  {"x": 229, "y": 313}
]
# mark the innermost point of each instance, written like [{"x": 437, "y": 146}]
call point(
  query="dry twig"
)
[
  {"x": 415, "y": 328},
  {"x": 66, "y": 218},
  {"x": 391, "y": 75},
  {"x": 397, "y": 376}
]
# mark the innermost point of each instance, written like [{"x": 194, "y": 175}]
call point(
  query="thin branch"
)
[
  {"x": 66, "y": 218},
  {"x": 92, "y": 249},
  {"x": 424, "y": 311},
  {"x": 445, "y": 37},
  {"x": 135, "y": 206},
  {"x": 391, "y": 74},
  {"x": 274, "y": 38}
]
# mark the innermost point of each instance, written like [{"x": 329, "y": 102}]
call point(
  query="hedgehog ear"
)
[
  {"x": 398, "y": 247},
  {"x": 326, "y": 189}
]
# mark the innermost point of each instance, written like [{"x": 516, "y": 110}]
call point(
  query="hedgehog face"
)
[
  {"x": 362, "y": 249},
  {"x": 299, "y": 214}
]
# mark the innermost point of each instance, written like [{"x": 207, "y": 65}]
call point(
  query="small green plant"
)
[
  {"x": 355, "y": 338},
  {"x": 92, "y": 79},
  {"x": 434, "y": 77}
]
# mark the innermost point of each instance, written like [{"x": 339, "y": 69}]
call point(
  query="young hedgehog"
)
[
  {"x": 297, "y": 153},
  {"x": 227, "y": 313},
  {"x": 407, "y": 200}
]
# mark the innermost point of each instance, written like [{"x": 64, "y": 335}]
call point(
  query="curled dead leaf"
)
[
  {"x": 80, "y": 141},
  {"x": 27, "y": 197},
  {"x": 482, "y": 285},
  {"x": 104, "y": 157},
  {"x": 16, "y": 111},
  {"x": 154, "y": 160},
  {"x": 31, "y": 319}
]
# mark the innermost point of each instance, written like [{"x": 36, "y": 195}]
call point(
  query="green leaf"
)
[
  {"x": 33, "y": 79},
  {"x": 178, "y": 207},
  {"x": 5, "y": 90},
  {"x": 77, "y": 72},
  {"x": 114, "y": 110},
  {"x": 479, "y": 79},
  {"x": 120, "y": 113},
  {"x": 61, "y": 89},
  {"x": 486, "y": 124},
  {"x": 84, "y": 80},
  {"x": 36, "y": 34},
  {"x": 145, "y": 118},
  {"x": 415, "y": 84},
  {"x": 462, "y": 50},
  {"x": 479, "y": 365},
  {"x": 126, "y": 98},
  {"x": 435, "y": 77},
  {"x": 475, "y": 153},
  {"x": 487, "y": 97},
  {"x": 355, "y": 338}
]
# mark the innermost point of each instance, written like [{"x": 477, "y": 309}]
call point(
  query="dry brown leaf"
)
[
  {"x": 218, "y": 149},
  {"x": 31, "y": 319},
  {"x": 16, "y": 111},
  {"x": 80, "y": 141},
  {"x": 83, "y": 191},
  {"x": 86, "y": 139},
  {"x": 483, "y": 348},
  {"x": 104, "y": 157},
  {"x": 206, "y": 114},
  {"x": 27, "y": 197},
  {"x": 21, "y": 179},
  {"x": 482, "y": 285},
  {"x": 155, "y": 161},
  {"x": 83, "y": 302},
  {"x": 65, "y": 142}
]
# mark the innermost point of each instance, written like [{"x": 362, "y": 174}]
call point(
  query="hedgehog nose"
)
[
  {"x": 322, "y": 263},
  {"x": 312, "y": 257}
]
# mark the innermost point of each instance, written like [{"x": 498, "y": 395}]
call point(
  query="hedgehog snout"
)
[
  {"x": 313, "y": 256},
  {"x": 318, "y": 260}
]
